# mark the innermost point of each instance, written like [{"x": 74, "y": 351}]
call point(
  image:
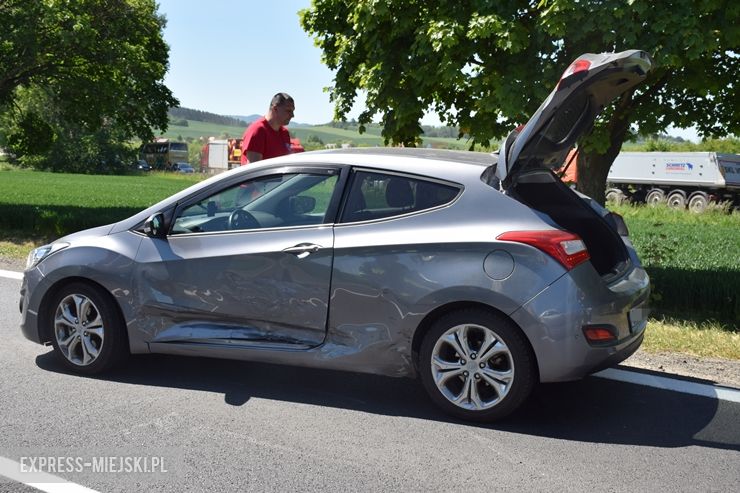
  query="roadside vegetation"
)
[
  {"x": 50, "y": 205},
  {"x": 693, "y": 259}
]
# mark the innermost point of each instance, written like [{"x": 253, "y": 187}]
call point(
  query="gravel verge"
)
[{"x": 715, "y": 371}]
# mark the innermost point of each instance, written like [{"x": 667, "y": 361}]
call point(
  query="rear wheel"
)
[
  {"x": 477, "y": 365},
  {"x": 698, "y": 202},
  {"x": 676, "y": 199},
  {"x": 87, "y": 333},
  {"x": 655, "y": 196}
]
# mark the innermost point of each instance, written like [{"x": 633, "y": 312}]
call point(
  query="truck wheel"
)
[
  {"x": 655, "y": 196},
  {"x": 676, "y": 199},
  {"x": 615, "y": 196},
  {"x": 698, "y": 202}
]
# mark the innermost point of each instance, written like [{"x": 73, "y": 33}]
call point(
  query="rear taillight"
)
[
  {"x": 565, "y": 247},
  {"x": 600, "y": 334},
  {"x": 574, "y": 68}
]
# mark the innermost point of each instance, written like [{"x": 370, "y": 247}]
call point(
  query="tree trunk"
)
[
  {"x": 592, "y": 172},
  {"x": 593, "y": 167}
]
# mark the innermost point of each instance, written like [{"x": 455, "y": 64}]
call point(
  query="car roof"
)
[
  {"x": 435, "y": 163},
  {"x": 467, "y": 157}
]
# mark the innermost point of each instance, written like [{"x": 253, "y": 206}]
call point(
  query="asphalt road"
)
[{"x": 226, "y": 426}]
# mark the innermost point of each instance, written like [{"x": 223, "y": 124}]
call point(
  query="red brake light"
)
[
  {"x": 565, "y": 247},
  {"x": 574, "y": 68}
]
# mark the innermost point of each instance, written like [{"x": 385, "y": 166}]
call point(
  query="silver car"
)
[{"x": 480, "y": 274}]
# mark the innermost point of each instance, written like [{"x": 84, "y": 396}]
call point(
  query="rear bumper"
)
[{"x": 554, "y": 319}]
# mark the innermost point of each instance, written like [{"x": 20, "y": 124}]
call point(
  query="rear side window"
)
[{"x": 378, "y": 195}]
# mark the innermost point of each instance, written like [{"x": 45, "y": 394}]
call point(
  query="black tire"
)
[
  {"x": 468, "y": 379},
  {"x": 698, "y": 202},
  {"x": 615, "y": 196},
  {"x": 676, "y": 199},
  {"x": 655, "y": 196},
  {"x": 86, "y": 330}
]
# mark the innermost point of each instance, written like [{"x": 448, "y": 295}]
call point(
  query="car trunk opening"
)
[{"x": 543, "y": 191}]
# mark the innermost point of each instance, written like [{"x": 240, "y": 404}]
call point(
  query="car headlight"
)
[{"x": 40, "y": 253}]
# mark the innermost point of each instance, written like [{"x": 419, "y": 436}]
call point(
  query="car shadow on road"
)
[{"x": 592, "y": 410}]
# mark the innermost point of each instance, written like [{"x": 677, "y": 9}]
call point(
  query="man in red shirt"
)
[{"x": 268, "y": 137}]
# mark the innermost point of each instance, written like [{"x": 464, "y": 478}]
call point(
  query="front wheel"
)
[
  {"x": 477, "y": 365},
  {"x": 87, "y": 333}
]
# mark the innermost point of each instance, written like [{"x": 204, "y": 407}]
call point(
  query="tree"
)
[
  {"x": 485, "y": 66},
  {"x": 98, "y": 66}
]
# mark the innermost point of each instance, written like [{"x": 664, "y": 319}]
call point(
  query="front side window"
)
[
  {"x": 379, "y": 195},
  {"x": 273, "y": 201}
]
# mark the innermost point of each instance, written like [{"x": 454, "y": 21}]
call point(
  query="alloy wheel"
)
[
  {"x": 472, "y": 367},
  {"x": 79, "y": 329}
]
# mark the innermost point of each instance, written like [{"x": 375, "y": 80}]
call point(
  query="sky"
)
[{"x": 230, "y": 57}]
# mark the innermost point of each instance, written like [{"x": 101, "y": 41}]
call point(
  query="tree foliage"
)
[
  {"x": 82, "y": 69},
  {"x": 484, "y": 66}
]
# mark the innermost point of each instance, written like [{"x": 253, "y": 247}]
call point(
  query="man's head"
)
[{"x": 282, "y": 108}]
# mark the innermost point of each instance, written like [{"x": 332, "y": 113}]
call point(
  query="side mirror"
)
[
  {"x": 154, "y": 226},
  {"x": 302, "y": 204}
]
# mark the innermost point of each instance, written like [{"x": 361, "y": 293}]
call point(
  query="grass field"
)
[
  {"x": 50, "y": 205},
  {"x": 693, "y": 260}
]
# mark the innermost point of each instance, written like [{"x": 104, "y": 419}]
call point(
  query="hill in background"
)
[
  {"x": 179, "y": 114},
  {"x": 196, "y": 125}
]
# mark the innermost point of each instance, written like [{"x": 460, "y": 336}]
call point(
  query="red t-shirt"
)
[{"x": 261, "y": 137}]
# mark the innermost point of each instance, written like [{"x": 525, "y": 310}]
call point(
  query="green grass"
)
[
  {"x": 706, "y": 339},
  {"x": 54, "y": 204},
  {"x": 196, "y": 130},
  {"x": 693, "y": 260}
]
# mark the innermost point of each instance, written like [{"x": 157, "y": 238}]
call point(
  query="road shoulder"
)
[{"x": 717, "y": 371}]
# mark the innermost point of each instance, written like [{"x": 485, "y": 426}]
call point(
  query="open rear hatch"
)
[{"x": 530, "y": 153}]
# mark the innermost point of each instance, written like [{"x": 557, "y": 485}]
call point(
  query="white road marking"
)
[
  {"x": 673, "y": 384},
  {"x": 11, "y": 275},
  {"x": 39, "y": 480}
]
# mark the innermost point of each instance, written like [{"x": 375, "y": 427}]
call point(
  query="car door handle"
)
[{"x": 303, "y": 250}]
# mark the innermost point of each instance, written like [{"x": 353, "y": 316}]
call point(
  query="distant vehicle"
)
[
  {"x": 218, "y": 155},
  {"x": 679, "y": 179},
  {"x": 222, "y": 155},
  {"x": 162, "y": 153},
  {"x": 296, "y": 146},
  {"x": 142, "y": 165},
  {"x": 182, "y": 168}
]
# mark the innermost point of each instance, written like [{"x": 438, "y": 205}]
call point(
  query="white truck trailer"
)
[
  {"x": 214, "y": 157},
  {"x": 680, "y": 179}
]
